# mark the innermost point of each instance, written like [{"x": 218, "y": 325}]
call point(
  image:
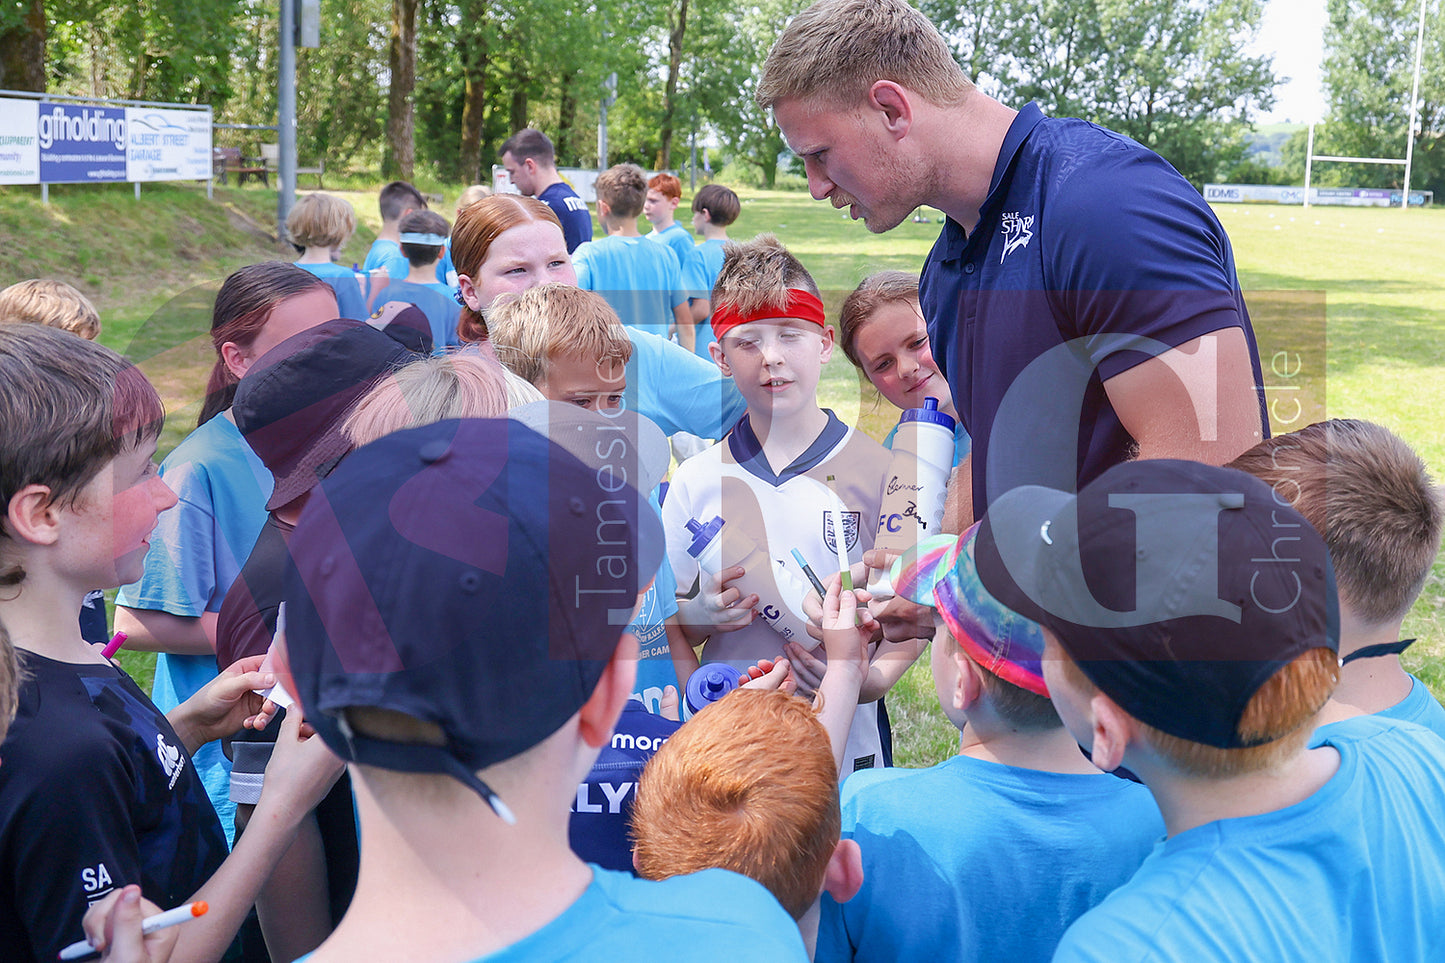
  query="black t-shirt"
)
[
  {"x": 247, "y": 620},
  {"x": 96, "y": 792}
]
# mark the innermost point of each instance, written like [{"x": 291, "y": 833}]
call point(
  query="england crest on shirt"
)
[{"x": 850, "y": 531}]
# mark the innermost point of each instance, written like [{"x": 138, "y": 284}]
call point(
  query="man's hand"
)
[{"x": 900, "y": 619}]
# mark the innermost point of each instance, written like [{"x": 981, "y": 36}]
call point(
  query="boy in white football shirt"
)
[{"x": 778, "y": 476}]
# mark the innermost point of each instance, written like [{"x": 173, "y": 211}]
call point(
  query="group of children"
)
[{"x": 467, "y": 574}]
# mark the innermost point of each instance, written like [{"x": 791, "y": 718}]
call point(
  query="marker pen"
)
[
  {"x": 808, "y": 571},
  {"x": 113, "y": 646},
  {"x": 171, "y": 917}
]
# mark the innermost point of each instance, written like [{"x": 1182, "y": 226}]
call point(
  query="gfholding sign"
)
[
  {"x": 80, "y": 145},
  {"x": 51, "y": 143}
]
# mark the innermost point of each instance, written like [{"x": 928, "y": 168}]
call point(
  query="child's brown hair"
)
[
  {"x": 68, "y": 407},
  {"x": 748, "y": 784},
  {"x": 1372, "y": 499},
  {"x": 623, "y": 188}
]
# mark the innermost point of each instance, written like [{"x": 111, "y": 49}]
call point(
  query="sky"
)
[{"x": 1293, "y": 31}]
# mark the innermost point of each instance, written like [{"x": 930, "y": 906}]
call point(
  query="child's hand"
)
[
  {"x": 723, "y": 605},
  {"x": 813, "y": 602},
  {"x": 224, "y": 705},
  {"x": 301, "y": 770},
  {"x": 770, "y": 674},
  {"x": 113, "y": 927},
  {"x": 669, "y": 705},
  {"x": 848, "y": 626}
]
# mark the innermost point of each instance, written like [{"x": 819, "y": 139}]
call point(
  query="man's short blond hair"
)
[
  {"x": 837, "y": 49},
  {"x": 531, "y": 329},
  {"x": 52, "y": 303},
  {"x": 749, "y": 784}
]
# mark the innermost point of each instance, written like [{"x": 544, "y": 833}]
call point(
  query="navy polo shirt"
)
[{"x": 1091, "y": 255}]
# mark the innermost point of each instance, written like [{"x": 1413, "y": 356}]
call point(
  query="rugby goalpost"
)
[{"x": 1408, "y": 159}]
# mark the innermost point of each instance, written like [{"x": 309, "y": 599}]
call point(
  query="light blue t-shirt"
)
[
  {"x": 714, "y": 916},
  {"x": 1419, "y": 707},
  {"x": 641, "y": 280},
  {"x": 196, "y": 553},
  {"x": 654, "y": 658},
  {"x": 1354, "y": 872},
  {"x": 678, "y": 390},
  {"x": 698, "y": 275},
  {"x": 973, "y": 860},
  {"x": 676, "y": 237},
  {"x": 387, "y": 254},
  {"x": 446, "y": 270},
  {"x": 435, "y": 301},
  {"x": 350, "y": 293}
]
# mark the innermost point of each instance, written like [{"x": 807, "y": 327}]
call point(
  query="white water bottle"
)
[
  {"x": 780, "y": 593},
  {"x": 916, "y": 485}
]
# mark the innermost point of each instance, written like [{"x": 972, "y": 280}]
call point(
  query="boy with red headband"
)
[{"x": 778, "y": 477}]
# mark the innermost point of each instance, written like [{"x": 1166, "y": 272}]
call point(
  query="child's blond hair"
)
[
  {"x": 52, "y": 303},
  {"x": 551, "y": 321},
  {"x": 460, "y": 385},
  {"x": 321, "y": 220}
]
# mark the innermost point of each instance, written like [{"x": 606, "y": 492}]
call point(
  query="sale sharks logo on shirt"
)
[{"x": 1017, "y": 231}]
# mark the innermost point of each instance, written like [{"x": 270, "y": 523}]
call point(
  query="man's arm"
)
[{"x": 1196, "y": 402}]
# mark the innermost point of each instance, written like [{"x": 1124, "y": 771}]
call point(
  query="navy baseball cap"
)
[
  {"x": 1178, "y": 588},
  {"x": 292, "y": 404},
  {"x": 468, "y": 573}
]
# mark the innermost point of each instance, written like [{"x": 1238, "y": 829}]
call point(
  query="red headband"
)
[{"x": 803, "y": 305}]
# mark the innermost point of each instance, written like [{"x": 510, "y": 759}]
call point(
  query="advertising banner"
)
[
  {"x": 81, "y": 145},
  {"x": 19, "y": 144},
  {"x": 167, "y": 145},
  {"x": 1324, "y": 196}
]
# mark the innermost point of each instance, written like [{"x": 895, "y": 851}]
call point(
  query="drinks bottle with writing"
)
[
  {"x": 780, "y": 593},
  {"x": 915, "y": 485}
]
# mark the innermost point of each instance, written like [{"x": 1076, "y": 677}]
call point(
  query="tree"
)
[
  {"x": 676, "y": 33},
  {"x": 1369, "y": 60},
  {"x": 22, "y": 46},
  {"x": 400, "y": 158},
  {"x": 472, "y": 48}
]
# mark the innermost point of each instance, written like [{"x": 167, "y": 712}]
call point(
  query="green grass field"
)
[{"x": 1349, "y": 299}]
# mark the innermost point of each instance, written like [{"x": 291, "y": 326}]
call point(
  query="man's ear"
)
[
  {"x": 892, "y": 101},
  {"x": 1113, "y": 731},
  {"x": 844, "y": 877},
  {"x": 598, "y": 715},
  {"x": 32, "y": 516}
]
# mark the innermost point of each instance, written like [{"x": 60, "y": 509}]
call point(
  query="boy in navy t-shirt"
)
[
  {"x": 97, "y": 789},
  {"x": 1373, "y": 500}
]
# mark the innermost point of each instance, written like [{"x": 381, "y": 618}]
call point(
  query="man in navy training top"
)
[
  {"x": 1075, "y": 265},
  {"x": 531, "y": 163}
]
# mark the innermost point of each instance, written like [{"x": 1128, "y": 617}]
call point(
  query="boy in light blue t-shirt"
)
[
  {"x": 397, "y": 200},
  {"x": 1192, "y": 637},
  {"x": 1380, "y": 513},
  {"x": 468, "y": 758},
  {"x": 713, "y": 209},
  {"x": 991, "y": 854},
  {"x": 423, "y": 240},
  {"x": 320, "y": 225},
  {"x": 640, "y": 279},
  {"x": 664, "y": 191}
]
